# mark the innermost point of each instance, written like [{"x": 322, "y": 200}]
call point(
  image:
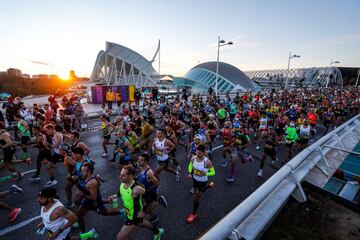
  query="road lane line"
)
[
  {"x": 30, "y": 171},
  {"x": 19, "y": 225}
]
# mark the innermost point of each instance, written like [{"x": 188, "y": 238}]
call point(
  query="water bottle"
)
[{"x": 115, "y": 203}]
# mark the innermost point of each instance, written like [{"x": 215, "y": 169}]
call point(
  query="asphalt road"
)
[{"x": 214, "y": 204}]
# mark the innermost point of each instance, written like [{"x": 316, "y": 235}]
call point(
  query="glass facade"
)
[{"x": 202, "y": 79}]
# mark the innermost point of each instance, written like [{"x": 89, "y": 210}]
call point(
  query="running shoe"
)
[
  {"x": 251, "y": 159},
  {"x": 192, "y": 191},
  {"x": 51, "y": 183},
  {"x": 105, "y": 155},
  {"x": 154, "y": 219},
  {"x": 191, "y": 218},
  {"x": 16, "y": 189},
  {"x": 14, "y": 214},
  {"x": 274, "y": 161},
  {"x": 257, "y": 147},
  {"x": 229, "y": 179},
  {"x": 224, "y": 164},
  {"x": 178, "y": 168},
  {"x": 94, "y": 234},
  {"x": 160, "y": 234},
  {"x": 35, "y": 177},
  {"x": 177, "y": 177},
  {"x": 260, "y": 173},
  {"x": 162, "y": 201},
  {"x": 211, "y": 185}
]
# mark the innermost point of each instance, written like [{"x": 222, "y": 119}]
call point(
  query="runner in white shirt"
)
[{"x": 56, "y": 219}]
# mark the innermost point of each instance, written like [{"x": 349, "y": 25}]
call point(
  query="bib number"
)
[
  {"x": 197, "y": 172},
  {"x": 159, "y": 153}
]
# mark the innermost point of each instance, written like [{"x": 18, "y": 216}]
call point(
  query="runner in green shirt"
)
[
  {"x": 131, "y": 196},
  {"x": 290, "y": 138},
  {"x": 24, "y": 130}
]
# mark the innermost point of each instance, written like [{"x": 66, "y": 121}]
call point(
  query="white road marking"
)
[
  {"x": 19, "y": 225},
  {"x": 30, "y": 171}
]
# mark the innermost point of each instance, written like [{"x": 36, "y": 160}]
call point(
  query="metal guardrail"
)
[{"x": 252, "y": 216}]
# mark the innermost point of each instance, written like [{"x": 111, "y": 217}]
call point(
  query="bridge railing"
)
[{"x": 252, "y": 216}]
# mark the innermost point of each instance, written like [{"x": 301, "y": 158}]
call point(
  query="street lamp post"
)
[
  {"x": 288, "y": 68},
  {"x": 220, "y": 43},
  {"x": 331, "y": 63},
  {"x": 357, "y": 80}
]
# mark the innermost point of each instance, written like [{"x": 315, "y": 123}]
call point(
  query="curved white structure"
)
[
  {"x": 119, "y": 65},
  {"x": 298, "y": 77}
]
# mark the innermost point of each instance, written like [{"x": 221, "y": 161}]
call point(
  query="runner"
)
[
  {"x": 131, "y": 196},
  {"x": 123, "y": 149},
  {"x": 44, "y": 154},
  {"x": 271, "y": 142},
  {"x": 106, "y": 129},
  {"x": 241, "y": 141},
  {"x": 162, "y": 146},
  {"x": 212, "y": 130},
  {"x": 56, "y": 219},
  {"x": 227, "y": 137},
  {"x": 305, "y": 132},
  {"x": 24, "y": 133},
  {"x": 150, "y": 183},
  {"x": 9, "y": 150},
  {"x": 290, "y": 138},
  {"x": 76, "y": 142},
  {"x": 73, "y": 164},
  {"x": 92, "y": 201},
  {"x": 171, "y": 135},
  {"x": 200, "y": 168},
  {"x": 54, "y": 140}
]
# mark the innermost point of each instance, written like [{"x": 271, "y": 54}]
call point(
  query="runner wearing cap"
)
[{"x": 56, "y": 219}]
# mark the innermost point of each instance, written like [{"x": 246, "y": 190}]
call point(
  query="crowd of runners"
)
[{"x": 137, "y": 136}]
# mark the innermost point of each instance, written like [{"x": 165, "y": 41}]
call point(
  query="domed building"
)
[{"x": 203, "y": 76}]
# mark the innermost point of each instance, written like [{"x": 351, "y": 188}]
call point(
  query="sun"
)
[{"x": 64, "y": 75}]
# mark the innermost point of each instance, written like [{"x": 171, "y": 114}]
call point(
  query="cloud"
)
[{"x": 40, "y": 63}]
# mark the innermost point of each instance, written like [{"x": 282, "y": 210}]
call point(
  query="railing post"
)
[{"x": 298, "y": 193}]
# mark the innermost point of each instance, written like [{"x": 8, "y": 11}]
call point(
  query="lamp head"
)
[
  {"x": 230, "y": 43},
  {"x": 222, "y": 41}
]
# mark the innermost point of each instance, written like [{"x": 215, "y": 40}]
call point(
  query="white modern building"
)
[{"x": 119, "y": 65}]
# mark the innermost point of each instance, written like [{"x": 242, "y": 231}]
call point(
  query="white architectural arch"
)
[{"x": 119, "y": 65}]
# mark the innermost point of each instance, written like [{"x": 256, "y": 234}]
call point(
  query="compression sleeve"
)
[
  {"x": 211, "y": 172},
  {"x": 190, "y": 167}
]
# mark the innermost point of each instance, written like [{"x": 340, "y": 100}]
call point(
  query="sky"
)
[{"x": 55, "y": 36}]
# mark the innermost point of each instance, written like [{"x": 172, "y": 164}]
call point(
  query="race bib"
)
[
  {"x": 268, "y": 146},
  {"x": 197, "y": 172},
  {"x": 238, "y": 141},
  {"x": 288, "y": 141},
  {"x": 159, "y": 152}
]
